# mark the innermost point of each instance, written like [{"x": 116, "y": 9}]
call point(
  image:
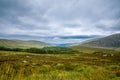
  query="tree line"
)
[{"x": 45, "y": 50}]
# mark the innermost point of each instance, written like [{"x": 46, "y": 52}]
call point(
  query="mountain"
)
[
  {"x": 23, "y": 44},
  {"x": 112, "y": 41}
]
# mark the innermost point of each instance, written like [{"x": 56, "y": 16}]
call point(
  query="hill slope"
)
[
  {"x": 112, "y": 41},
  {"x": 23, "y": 44}
]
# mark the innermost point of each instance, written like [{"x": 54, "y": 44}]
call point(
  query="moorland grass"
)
[{"x": 28, "y": 66}]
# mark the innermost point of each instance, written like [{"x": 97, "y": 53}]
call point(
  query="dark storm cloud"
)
[
  {"x": 15, "y": 12},
  {"x": 11, "y": 9},
  {"x": 59, "y": 20},
  {"x": 78, "y": 37}
]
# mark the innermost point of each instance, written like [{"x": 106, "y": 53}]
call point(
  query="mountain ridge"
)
[
  {"x": 14, "y": 43},
  {"x": 111, "y": 41}
]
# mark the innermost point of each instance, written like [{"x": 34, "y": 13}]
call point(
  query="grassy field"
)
[
  {"x": 79, "y": 66},
  {"x": 85, "y": 49}
]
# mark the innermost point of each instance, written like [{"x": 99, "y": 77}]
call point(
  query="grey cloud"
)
[
  {"x": 114, "y": 28},
  {"x": 59, "y": 18},
  {"x": 110, "y": 25},
  {"x": 72, "y": 25},
  {"x": 78, "y": 37},
  {"x": 12, "y": 8}
]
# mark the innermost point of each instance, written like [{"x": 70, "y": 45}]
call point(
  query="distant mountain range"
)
[
  {"x": 112, "y": 41},
  {"x": 23, "y": 44}
]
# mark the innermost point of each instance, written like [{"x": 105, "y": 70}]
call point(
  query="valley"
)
[{"x": 75, "y": 62}]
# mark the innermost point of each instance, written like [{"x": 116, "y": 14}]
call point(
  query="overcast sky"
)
[{"x": 59, "y": 21}]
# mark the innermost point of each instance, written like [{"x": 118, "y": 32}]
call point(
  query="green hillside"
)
[
  {"x": 23, "y": 44},
  {"x": 93, "y": 50}
]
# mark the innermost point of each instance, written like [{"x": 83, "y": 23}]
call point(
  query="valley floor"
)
[{"x": 29, "y": 66}]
